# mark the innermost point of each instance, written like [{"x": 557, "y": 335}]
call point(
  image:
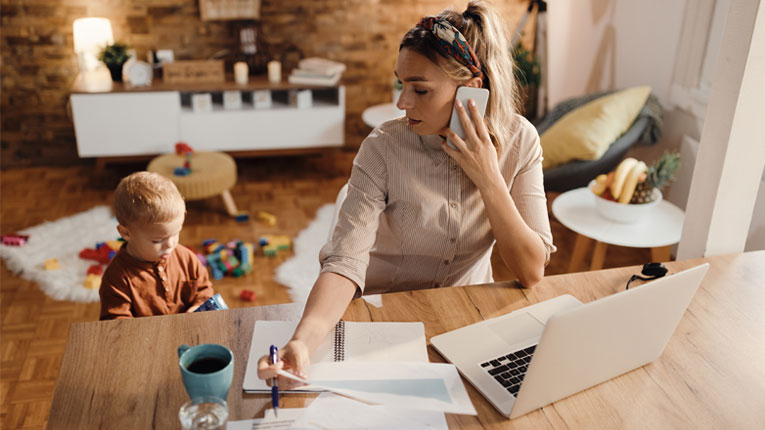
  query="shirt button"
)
[
  {"x": 437, "y": 285},
  {"x": 452, "y": 240},
  {"x": 446, "y": 261},
  {"x": 455, "y": 167},
  {"x": 160, "y": 268},
  {"x": 453, "y": 204}
]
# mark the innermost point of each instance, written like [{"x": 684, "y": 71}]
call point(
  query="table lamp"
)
[{"x": 90, "y": 36}]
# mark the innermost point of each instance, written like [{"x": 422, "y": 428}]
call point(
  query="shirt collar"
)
[
  {"x": 432, "y": 144},
  {"x": 125, "y": 256}
]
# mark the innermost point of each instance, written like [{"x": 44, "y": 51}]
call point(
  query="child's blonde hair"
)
[
  {"x": 486, "y": 33},
  {"x": 146, "y": 197}
]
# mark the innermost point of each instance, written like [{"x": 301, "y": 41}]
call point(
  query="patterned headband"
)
[{"x": 453, "y": 41}]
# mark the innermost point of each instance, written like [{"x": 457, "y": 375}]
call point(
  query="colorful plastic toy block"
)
[
  {"x": 247, "y": 295},
  {"x": 92, "y": 282},
  {"x": 14, "y": 239},
  {"x": 95, "y": 269},
  {"x": 115, "y": 245},
  {"x": 270, "y": 250},
  {"x": 103, "y": 255},
  {"x": 279, "y": 242},
  {"x": 266, "y": 218},
  {"x": 52, "y": 264},
  {"x": 242, "y": 216},
  {"x": 234, "y": 259},
  {"x": 181, "y": 171},
  {"x": 182, "y": 148},
  {"x": 202, "y": 259}
]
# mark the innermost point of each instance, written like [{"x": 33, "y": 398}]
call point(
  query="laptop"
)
[{"x": 542, "y": 353}]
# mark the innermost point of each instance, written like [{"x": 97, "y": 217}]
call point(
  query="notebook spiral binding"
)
[{"x": 340, "y": 341}]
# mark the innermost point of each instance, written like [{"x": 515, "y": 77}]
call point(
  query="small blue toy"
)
[{"x": 214, "y": 303}]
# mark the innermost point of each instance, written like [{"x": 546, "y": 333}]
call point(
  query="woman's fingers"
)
[
  {"x": 467, "y": 123},
  {"x": 266, "y": 370},
  {"x": 447, "y": 133},
  {"x": 478, "y": 122}
]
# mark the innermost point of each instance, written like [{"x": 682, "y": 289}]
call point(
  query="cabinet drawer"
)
[
  {"x": 255, "y": 129},
  {"x": 108, "y": 125}
]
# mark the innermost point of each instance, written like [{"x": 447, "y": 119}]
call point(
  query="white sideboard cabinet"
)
[{"x": 127, "y": 122}]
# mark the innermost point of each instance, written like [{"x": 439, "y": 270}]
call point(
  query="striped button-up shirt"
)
[{"x": 413, "y": 219}]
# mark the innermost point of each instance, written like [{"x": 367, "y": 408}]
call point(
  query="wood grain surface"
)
[{"x": 124, "y": 374}]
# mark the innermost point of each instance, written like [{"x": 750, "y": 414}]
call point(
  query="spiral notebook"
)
[{"x": 348, "y": 341}]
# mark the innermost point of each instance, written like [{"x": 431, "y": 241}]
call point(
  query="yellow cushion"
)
[{"x": 586, "y": 132}]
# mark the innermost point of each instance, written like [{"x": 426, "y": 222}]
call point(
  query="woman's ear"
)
[
  {"x": 474, "y": 82},
  {"x": 123, "y": 231}
]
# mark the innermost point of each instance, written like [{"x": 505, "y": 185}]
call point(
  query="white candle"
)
[
  {"x": 274, "y": 72},
  {"x": 240, "y": 72}
]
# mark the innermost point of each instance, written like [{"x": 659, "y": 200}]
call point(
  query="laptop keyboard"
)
[{"x": 510, "y": 369}]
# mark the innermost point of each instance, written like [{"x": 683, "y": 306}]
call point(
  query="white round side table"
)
[
  {"x": 378, "y": 114},
  {"x": 575, "y": 209}
]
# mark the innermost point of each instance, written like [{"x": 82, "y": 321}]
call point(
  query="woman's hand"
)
[
  {"x": 294, "y": 357},
  {"x": 477, "y": 155}
]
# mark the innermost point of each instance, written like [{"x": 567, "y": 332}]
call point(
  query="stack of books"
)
[{"x": 317, "y": 71}]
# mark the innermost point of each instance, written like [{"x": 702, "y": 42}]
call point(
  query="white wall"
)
[{"x": 602, "y": 44}]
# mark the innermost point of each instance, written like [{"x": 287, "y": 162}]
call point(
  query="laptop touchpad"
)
[{"x": 517, "y": 328}]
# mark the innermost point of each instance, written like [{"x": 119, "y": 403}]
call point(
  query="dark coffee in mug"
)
[
  {"x": 207, "y": 365},
  {"x": 206, "y": 370}
]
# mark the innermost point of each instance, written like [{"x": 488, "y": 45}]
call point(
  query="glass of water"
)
[{"x": 204, "y": 413}]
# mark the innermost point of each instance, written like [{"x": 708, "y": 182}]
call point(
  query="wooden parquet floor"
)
[{"x": 34, "y": 328}]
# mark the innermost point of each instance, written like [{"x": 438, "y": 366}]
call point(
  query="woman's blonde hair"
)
[
  {"x": 486, "y": 33},
  {"x": 146, "y": 197}
]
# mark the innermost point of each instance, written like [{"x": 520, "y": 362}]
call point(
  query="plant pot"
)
[{"x": 116, "y": 72}]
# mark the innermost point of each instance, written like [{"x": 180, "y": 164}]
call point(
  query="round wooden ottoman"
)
[{"x": 212, "y": 173}]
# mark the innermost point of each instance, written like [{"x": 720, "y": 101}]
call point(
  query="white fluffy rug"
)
[
  {"x": 62, "y": 239},
  {"x": 299, "y": 272}
]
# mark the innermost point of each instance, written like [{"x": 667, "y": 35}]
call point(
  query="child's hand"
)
[{"x": 294, "y": 357}]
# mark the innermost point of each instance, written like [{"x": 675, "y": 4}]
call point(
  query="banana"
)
[
  {"x": 631, "y": 182},
  {"x": 600, "y": 185},
  {"x": 620, "y": 175}
]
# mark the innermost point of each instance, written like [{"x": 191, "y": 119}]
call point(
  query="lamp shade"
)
[{"x": 90, "y": 36}]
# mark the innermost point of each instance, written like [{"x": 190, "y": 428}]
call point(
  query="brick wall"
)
[{"x": 38, "y": 62}]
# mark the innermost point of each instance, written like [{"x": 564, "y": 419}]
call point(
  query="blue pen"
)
[{"x": 274, "y": 352}]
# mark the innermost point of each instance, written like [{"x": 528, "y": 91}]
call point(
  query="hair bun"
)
[{"x": 472, "y": 14}]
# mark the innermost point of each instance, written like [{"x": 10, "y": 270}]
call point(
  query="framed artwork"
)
[{"x": 223, "y": 10}]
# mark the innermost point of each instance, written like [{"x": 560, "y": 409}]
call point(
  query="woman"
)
[{"x": 419, "y": 214}]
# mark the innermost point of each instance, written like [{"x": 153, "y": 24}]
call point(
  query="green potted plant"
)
[
  {"x": 529, "y": 76},
  {"x": 114, "y": 56}
]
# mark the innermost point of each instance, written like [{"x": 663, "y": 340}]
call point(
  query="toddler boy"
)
[{"x": 152, "y": 274}]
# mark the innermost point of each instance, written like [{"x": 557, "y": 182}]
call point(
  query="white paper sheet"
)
[
  {"x": 330, "y": 411},
  {"x": 419, "y": 386},
  {"x": 286, "y": 420},
  {"x": 361, "y": 341}
]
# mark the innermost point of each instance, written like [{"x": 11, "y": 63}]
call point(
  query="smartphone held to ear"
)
[{"x": 480, "y": 96}]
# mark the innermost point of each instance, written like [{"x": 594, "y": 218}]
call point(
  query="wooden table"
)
[{"x": 124, "y": 374}]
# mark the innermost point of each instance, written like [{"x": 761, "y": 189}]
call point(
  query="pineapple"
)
[{"x": 659, "y": 175}]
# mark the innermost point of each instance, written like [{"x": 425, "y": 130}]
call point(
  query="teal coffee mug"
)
[{"x": 206, "y": 369}]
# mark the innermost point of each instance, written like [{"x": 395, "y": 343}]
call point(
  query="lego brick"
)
[
  {"x": 95, "y": 269},
  {"x": 52, "y": 264},
  {"x": 92, "y": 282},
  {"x": 242, "y": 217},
  {"x": 247, "y": 295},
  {"x": 115, "y": 245},
  {"x": 266, "y": 218}
]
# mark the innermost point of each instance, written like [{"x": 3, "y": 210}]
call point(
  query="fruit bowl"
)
[{"x": 624, "y": 213}]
